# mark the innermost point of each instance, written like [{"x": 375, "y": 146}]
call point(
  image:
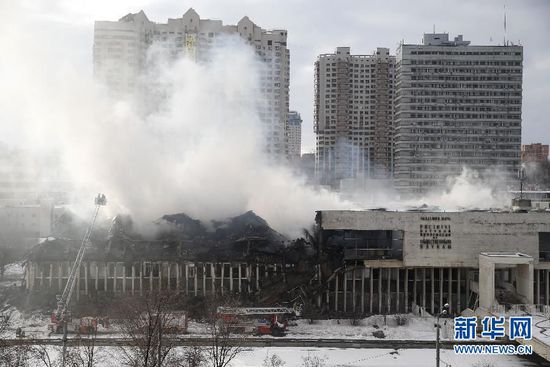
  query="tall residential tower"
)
[
  {"x": 294, "y": 135},
  {"x": 353, "y": 116},
  {"x": 120, "y": 56},
  {"x": 457, "y": 105}
]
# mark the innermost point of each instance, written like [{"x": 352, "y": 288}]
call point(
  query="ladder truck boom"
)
[{"x": 65, "y": 298}]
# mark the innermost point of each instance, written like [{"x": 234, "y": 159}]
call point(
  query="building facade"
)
[
  {"x": 121, "y": 51},
  {"x": 397, "y": 262},
  {"x": 537, "y": 153},
  {"x": 457, "y": 105},
  {"x": 294, "y": 135},
  {"x": 353, "y": 119}
]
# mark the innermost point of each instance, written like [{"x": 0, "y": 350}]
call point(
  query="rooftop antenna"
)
[
  {"x": 505, "y": 36},
  {"x": 434, "y": 28}
]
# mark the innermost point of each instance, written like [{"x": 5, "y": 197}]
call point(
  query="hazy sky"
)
[{"x": 320, "y": 26}]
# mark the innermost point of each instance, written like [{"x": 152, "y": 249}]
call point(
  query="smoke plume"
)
[{"x": 195, "y": 148}]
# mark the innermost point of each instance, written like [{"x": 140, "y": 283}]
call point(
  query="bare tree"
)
[
  {"x": 85, "y": 354},
  {"x": 146, "y": 322},
  {"x": 194, "y": 357},
  {"x": 313, "y": 361},
  {"x": 224, "y": 346},
  {"x": 273, "y": 360},
  {"x": 11, "y": 355}
]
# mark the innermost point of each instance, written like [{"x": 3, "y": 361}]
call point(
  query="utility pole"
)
[{"x": 438, "y": 327}]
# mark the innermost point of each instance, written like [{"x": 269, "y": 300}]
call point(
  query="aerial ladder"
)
[{"x": 61, "y": 316}]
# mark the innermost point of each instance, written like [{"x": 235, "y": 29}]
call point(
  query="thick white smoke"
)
[{"x": 199, "y": 152}]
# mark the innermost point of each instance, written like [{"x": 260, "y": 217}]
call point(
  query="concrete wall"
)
[{"x": 455, "y": 239}]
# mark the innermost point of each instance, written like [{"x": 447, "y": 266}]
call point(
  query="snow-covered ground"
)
[
  {"x": 416, "y": 328},
  {"x": 375, "y": 357},
  {"x": 333, "y": 357}
]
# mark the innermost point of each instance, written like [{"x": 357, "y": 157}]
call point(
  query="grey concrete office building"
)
[
  {"x": 457, "y": 105},
  {"x": 294, "y": 135},
  {"x": 121, "y": 51},
  {"x": 353, "y": 117}
]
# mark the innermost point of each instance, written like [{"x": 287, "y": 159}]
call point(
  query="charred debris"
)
[{"x": 244, "y": 238}]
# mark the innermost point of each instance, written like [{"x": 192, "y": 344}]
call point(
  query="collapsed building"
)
[
  {"x": 393, "y": 262},
  {"x": 241, "y": 254}
]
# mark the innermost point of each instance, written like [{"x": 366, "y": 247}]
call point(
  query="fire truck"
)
[{"x": 256, "y": 320}]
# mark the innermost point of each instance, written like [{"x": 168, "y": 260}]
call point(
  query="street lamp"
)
[{"x": 438, "y": 327}]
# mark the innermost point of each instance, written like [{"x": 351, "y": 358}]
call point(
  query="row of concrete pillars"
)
[
  {"x": 397, "y": 290},
  {"x": 136, "y": 278}
]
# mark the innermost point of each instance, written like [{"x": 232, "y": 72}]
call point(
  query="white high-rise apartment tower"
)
[
  {"x": 353, "y": 116},
  {"x": 457, "y": 105},
  {"x": 120, "y": 53}
]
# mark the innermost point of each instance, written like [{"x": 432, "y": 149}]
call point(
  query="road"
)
[{"x": 252, "y": 342}]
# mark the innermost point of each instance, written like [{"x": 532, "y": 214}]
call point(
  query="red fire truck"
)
[{"x": 256, "y": 320}]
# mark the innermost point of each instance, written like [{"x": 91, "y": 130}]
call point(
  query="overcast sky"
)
[{"x": 320, "y": 26}]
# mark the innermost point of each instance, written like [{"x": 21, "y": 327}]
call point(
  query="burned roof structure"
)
[{"x": 179, "y": 236}]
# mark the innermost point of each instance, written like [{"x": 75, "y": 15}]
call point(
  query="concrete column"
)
[
  {"x": 406, "y": 286},
  {"x": 196, "y": 280},
  {"x": 160, "y": 275},
  {"x": 371, "y": 288},
  {"x": 380, "y": 271},
  {"x": 124, "y": 279},
  {"x": 186, "y": 280},
  {"x": 249, "y": 277},
  {"x": 240, "y": 277},
  {"x": 458, "y": 306},
  {"x": 450, "y": 298},
  {"x": 204, "y": 279},
  {"x": 525, "y": 281},
  {"x": 441, "y": 274},
  {"x": 86, "y": 278},
  {"x": 257, "y": 277},
  {"x": 96, "y": 277},
  {"x": 432, "y": 277},
  {"x": 353, "y": 289},
  {"x": 106, "y": 271},
  {"x": 537, "y": 282},
  {"x": 178, "y": 266},
  {"x": 424, "y": 288},
  {"x": 231, "y": 277},
  {"x": 546, "y": 286},
  {"x": 222, "y": 280},
  {"x": 213, "y": 275},
  {"x": 28, "y": 275},
  {"x": 336, "y": 293},
  {"x": 141, "y": 273},
  {"x": 133, "y": 278},
  {"x": 345, "y": 291},
  {"x": 389, "y": 289},
  {"x": 468, "y": 287},
  {"x": 77, "y": 283},
  {"x": 151, "y": 278},
  {"x": 114, "y": 277},
  {"x": 415, "y": 274},
  {"x": 397, "y": 295},
  {"x": 51, "y": 274},
  {"x": 363, "y": 290},
  {"x": 169, "y": 275},
  {"x": 60, "y": 275}
]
